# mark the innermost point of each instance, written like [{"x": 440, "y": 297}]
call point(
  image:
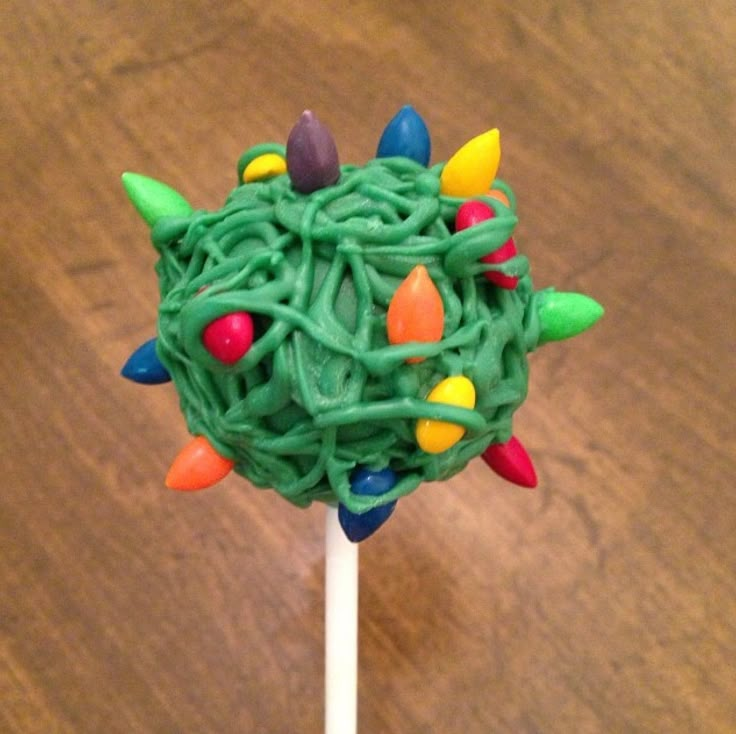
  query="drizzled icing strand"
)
[{"x": 321, "y": 390}]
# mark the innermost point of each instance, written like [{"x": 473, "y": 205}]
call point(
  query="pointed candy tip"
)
[
  {"x": 367, "y": 482},
  {"x": 153, "y": 199},
  {"x": 358, "y": 528},
  {"x": 197, "y": 466},
  {"x": 406, "y": 135},
  {"x": 312, "y": 161},
  {"x": 144, "y": 366},
  {"x": 564, "y": 315},
  {"x": 416, "y": 312},
  {"x": 472, "y": 169},
  {"x": 511, "y": 461}
]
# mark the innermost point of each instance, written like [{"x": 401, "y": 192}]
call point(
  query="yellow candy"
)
[
  {"x": 433, "y": 436},
  {"x": 472, "y": 169},
  {"x": 264, "y": 166}
]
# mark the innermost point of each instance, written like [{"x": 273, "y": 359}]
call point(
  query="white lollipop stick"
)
[{"x": 341, "y": 629}]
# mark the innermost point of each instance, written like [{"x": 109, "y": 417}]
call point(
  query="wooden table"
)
[{"x": 603, "y": 602}]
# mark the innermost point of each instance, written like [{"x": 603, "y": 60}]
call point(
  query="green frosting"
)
[{"x": 321, "y": 390}]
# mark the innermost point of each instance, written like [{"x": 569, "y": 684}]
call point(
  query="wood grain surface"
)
[{"x": 604, "y": 601}]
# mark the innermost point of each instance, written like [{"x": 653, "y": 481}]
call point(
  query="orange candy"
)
[
  {"x": 198, "y": 466},
  {"x": 499, "y": 195},
  {"x": 416, "y": 312}
]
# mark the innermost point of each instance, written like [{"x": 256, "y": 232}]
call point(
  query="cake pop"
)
[{"x": 345, "y": 333}]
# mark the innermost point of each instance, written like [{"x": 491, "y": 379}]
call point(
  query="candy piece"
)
[
  {"x": 511, "y": 461},
  {"x": 265, "y": 166},
  {"x": 153, "y": 199},
  {"x": 471, "y": 213},
  {"x": 311, "y": 155},
  {"x": 229, "y": 337},
  {"x": 271, "y": 162},
  {"x": 475, "y": 212},
  {"x": 416, "y": 312},
  {"x": 435, "y": 436},
  {"x": 367, "y": 482},
  {"x": 144, "y": 366},
  {"x": 563, "y": 315},
  {"x": 406, "y": 135},
  {"x": 472, "y": 169},
  {"x": 503, "y": 253},
  {"x": 499, "y": 196},
  {"x": 197, "y": 466},
  {"x": 358, "y": 527}
]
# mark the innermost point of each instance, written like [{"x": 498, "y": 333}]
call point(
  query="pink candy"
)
[
  {"x": 474, "y": 212},
  {"x": 229, "y": 337}
]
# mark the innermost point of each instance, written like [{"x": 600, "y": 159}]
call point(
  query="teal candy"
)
[{"x": 406, "y": 135}]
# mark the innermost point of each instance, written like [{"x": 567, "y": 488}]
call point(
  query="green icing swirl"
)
[{"x": 321, "y": 390}]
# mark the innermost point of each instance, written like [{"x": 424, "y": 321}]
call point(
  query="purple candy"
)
[{"x": 311, "y": 155}]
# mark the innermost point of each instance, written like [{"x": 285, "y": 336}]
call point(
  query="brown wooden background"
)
[{"x": 602, "y": 602}]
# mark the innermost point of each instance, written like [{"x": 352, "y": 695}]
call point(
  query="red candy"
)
[
  {"x": 503, "y": 253},
  {"x": 475, "y": 212},
  {"x": 229, "y": 337},
  {"x": 511, "y": 461},
  {"x": 471, "y": 213}
]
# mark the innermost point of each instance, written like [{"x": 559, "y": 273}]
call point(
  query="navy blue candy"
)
[
  {"x": 367, "y": 483},
  {"x": 144, "y": 366},
  {"x": 406, "y": 135}
]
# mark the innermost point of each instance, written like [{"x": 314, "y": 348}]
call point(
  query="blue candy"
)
[
  {"x": 406, "y": 135},
  {"x": 144, "y": 366},
  {"x": 367, "y": 483}
]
